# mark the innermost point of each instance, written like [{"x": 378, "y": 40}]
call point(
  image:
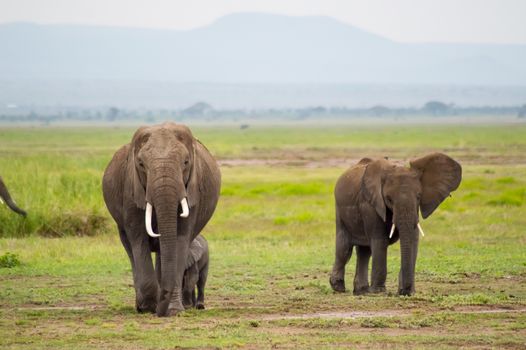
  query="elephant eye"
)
[{"x": 186, "y": 162}]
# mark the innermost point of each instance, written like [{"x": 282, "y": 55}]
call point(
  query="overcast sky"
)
[{"x": 488, "y": 21}]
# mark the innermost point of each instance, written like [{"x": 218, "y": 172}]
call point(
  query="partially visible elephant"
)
[
  {"x": 377, "y": 203},
  {"x": 196, "y": 274},
  {"x": 6, "y": 197},
  {"x": 164, "y": 180}
]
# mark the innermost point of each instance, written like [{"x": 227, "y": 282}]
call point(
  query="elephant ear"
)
[
  {"x": 192, "y": 187},
  {"x": 138, "y": 191},
  {"x": 195, "y": 253},
  {"x": 372, "y": 182},
  {"x": 440, "y": 175}
]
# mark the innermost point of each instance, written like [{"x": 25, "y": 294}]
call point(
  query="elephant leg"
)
[
  {"x": 361, "y": 277},
  {"x": 188, "y": 297},
  {"x": 343, "y": 254},
  {"x": 203, "y": 275},
  {"x": 158, "y": 267},
  {"x": 144, "y": 276},
  {"x": 127, "y": 246},
  {"x": 379, "y": 269}
]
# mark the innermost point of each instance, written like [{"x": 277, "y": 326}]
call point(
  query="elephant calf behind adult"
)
[
  {"x": 164, "y": 180},
  {"x": 377, "y": 203},
  {"x": 196, "y": 274}
]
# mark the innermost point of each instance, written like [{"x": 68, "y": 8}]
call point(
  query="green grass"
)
[{"x": 271, "y": 243}]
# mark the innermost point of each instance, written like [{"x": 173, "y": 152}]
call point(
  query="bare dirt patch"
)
[
  {"x": 346, "y": 162},
  {"x": 369, "y": 314},
  {"x": 59, "y": 308}
]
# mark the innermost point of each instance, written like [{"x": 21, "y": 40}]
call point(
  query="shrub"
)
[{"x": 9, "y": 260}]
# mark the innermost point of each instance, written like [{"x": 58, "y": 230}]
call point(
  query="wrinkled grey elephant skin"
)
[
  {"x": 6, "y": 197},
  {"x": 165, "y": 169},
  {"x": 196, "y": 274},
  {"x": 373, "y": 195}
]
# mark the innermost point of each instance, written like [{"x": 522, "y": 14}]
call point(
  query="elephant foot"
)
[
  {"x": 337, "y": 284},
  {"x": 360, "y": 290},
  {"x": 200, "y": 306},
  {"x": 188, "y": 305},
  {"x": 406, "y": 292},
  {"x": 146, "y": 305},
  {"x": 146, "y": 309},
  {"x": 171, "y": 311},
  {"x": 169, "y": 305},
  {"x": 174, "y": 311},
  {"x": 162, "y": 306},
  {"x": 377, "y": 289}
]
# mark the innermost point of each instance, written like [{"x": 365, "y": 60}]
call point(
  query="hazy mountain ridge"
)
[
  {"x": 249, "y": 48},
  {"x": 170, "y": 95}
]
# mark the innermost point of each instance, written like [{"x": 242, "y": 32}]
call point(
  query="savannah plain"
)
[{"x": 65, "y": 279}]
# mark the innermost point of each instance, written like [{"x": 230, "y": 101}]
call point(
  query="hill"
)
[{"x": 250, "y": 48}]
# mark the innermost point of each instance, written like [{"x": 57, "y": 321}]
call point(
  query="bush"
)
[{"x": 9, "y": 260}]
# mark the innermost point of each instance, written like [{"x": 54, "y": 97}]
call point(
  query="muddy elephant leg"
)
[
  {"x": 203, "y": 275},
  {"x": 379, "y": 269},
  {"x": 127, "y": 246},
  {"x": 361, "y": 277},
  {"x": 343, "y": 254},
  {"x": 144, "y": 278}
]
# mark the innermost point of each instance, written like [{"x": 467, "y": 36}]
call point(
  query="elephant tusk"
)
[
  {"x": 392, "y": 231},
  {"x": 184, "y": 206},
  {"x": 1, "y": 201},
  {"x": 420, "y": 229},
  {"x": 148, "y": 221}
]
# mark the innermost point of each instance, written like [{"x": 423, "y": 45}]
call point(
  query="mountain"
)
[{"x": 250, "y": 48}]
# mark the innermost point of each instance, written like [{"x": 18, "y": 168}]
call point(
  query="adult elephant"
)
[
  {"x": 377, "y": 203},
  {"x": 6, "y": 197},
  {"x": 165, "y": 180}
]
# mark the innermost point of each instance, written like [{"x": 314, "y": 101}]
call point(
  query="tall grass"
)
[{"x": 55, "y": 174}]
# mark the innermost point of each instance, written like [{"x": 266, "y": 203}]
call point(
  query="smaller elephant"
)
[
  {"x": 6, "y": 197},
  {"x": 195, "y": 274},
  {"x": 378, "y": 202}
]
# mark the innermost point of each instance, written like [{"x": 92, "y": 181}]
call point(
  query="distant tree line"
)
[{"x": 202, "y": 111}]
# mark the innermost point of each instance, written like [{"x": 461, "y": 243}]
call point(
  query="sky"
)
[{"x": 468, "y": 21}]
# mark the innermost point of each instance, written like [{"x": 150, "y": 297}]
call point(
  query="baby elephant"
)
[
  {"x": 377, "y": 204},
  {"x": 195, "y": 274}
]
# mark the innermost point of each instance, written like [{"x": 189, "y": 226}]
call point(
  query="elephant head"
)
[
  {"x": 162, "y": 173},
  {"x": 5, "y": 196},
  {"x": 398, "y": 193}
]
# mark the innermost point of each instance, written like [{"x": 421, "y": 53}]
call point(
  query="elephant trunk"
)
[
  {"x": 406, "y": 223},
  {"x": 165, "y": 194},
  {"x": 4, "y": 194}
]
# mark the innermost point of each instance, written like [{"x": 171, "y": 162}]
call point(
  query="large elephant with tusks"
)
[{"x": 161, "y": 189}]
